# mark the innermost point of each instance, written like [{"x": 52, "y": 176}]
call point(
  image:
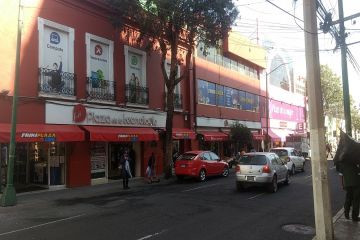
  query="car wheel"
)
[
  {"x": 225, "y": 172},
  {"x": 287, "y": 180},
  {"x": 293, "y": 169},
  {"x": 303, "y": 167},
  {"x": 202, "y": 175},
  {"x": 273, "y": 187},
  {"x": 239, "y": 187}
]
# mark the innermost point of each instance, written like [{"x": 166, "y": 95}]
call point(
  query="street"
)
[{"x": 172, "y": 210}]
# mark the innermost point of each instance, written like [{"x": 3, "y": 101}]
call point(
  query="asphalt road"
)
[{"x": 178, "y": 210}]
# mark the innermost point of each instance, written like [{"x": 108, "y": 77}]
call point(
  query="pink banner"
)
[{"x": 283, "y": 111}]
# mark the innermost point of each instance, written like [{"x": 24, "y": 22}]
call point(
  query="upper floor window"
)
[
  {"x": 215, "y": 94},
  {"x": 56, "y": 59},
  {"x": 215, "y": 56},
  {"x": 177, "y": 90},
  {"x": 99, "y": 68},
  {"x": 137, "y": 91}
]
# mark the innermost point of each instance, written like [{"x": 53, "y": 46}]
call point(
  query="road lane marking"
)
[
  {"x": 152, "y": 235},
  {"x": 192, "y": 189},
  {"x": 256, "y": 196},
  {"x": 41, "y": 225}
]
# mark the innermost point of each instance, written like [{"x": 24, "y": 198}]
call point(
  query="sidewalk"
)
[{"x": 345, "y": 229}]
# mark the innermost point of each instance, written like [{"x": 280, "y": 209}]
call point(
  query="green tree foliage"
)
[
  {"x": 173, "y": 27},
  {"x": 332, "y": 93},
  {"x": 333, "y": 97},
  {"x": 241, "y": 136}
]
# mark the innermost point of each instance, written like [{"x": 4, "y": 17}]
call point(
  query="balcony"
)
[
  {"x": 136, "y": 95},
  {"x": 52, "y": 82},
  {"x": 100, "y": 90},
  {"x": 177, "y": 101}
]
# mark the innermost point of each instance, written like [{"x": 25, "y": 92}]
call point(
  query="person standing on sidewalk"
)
[
  {"x": 125, "y": 169},
  {"x": 150, "y": 168},
  {"x": 329, "y": 150},
  {"x": 351, "y": 184}
]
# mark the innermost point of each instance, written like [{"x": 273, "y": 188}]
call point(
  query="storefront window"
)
[{"x": 98, "y": 159}]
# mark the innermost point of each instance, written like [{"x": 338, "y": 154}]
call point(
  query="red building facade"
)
[{"x": 88, "y": 93}]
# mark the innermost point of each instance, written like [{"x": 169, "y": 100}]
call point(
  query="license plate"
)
[
  {"x": 183, "y": 165},
  {"x": 250, "y": 178}
]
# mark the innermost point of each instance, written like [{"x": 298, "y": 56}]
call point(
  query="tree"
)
[
  {"x": 333, "y": 97},
  {"x": 332, "y": 93},
  {"x": 241, "y": 136},
  {"x": 174, "y": 27}
]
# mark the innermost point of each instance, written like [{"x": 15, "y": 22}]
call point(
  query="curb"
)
[{"x": 334, "y": 219}]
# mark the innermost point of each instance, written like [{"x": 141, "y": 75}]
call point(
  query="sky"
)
[{"x": 261, "y": 21}]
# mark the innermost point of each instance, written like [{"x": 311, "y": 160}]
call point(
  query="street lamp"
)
[
  {"x": 9, "y": 195},
  {"x": 267, "y": 103}
]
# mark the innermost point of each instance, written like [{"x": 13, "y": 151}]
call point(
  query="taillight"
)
[
  {"x": 237, "y": 168},
  {"x": 266, "y": 169}
]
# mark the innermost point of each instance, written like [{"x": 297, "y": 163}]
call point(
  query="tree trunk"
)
[{"x": 168, "y": 145}]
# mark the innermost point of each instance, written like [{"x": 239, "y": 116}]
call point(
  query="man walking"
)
[{"x": 351, "y": 184}]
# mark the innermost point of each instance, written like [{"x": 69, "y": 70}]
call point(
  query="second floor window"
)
[
  {"x": 177, "y": 90},
  {"x": 136, "y": 84},
  {"x": 100, "y": 73},
  {"x": 56, "y": 59}
]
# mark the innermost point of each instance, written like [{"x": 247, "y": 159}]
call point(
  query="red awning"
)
[
  {"x": 214, "y": 136},
  {"x": 42, "y": 133},
  {"x": 120, "y": 134},
  {"x": 274, "y": 136},
  {"x": 183, "y": 133}
]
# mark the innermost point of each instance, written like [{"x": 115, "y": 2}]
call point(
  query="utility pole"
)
[
  {"x": 345, "y": 81},
  {"x": 322, "y": 204},
  {"x": 9, "y": 195}
]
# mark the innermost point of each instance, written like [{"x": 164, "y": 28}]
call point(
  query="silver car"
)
[
  {"x": 261, "y": 168},
  {"x": 293, "y": 159}
]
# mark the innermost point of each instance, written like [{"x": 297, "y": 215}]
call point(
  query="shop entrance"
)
[
  {"x": 116, "y": 151},
  {"x": 47, "y": 163},
  {"x": 36, "y": 165}
]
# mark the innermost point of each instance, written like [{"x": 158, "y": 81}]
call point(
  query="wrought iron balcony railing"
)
[
  {"x": 177, "y": 101},
  {"x": 136, "y": 94},
  {"x": 55, "y": 82},
  {"x": 102, "y": 90}
]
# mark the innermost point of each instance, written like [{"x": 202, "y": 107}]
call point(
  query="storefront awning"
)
[
  {"x": 42, "y": 133},
  {"x": 120, "y": 134},
  {"x": 183, "y": 133},
  {"x": 278, "y": 134},
  {"x": 214, "y": 136}
]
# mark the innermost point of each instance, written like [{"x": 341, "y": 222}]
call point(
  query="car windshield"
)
[
  {"x": 280, "y": 152},
  {"x": 187, "y": 156},
  {"x": 253, "y": 160}
]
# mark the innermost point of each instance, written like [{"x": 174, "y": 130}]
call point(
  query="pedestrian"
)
[
  {"x": 351, "y": 183},
  {"x": 150, "y": 168},
  {"x": 125, "y": 169},
  {"x": 329, "y": 150}
]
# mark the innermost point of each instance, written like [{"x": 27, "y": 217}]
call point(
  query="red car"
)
[{"x": 200, "y": 164}]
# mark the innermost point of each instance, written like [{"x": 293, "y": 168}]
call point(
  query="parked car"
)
[
  {"x": 200, "y": 164},
  {"x": 261, "y": 169},
  {"x": 293, "y": 158}
]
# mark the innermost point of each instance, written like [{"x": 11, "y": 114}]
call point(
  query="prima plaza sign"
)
[{"x": 87, "y": 114}]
